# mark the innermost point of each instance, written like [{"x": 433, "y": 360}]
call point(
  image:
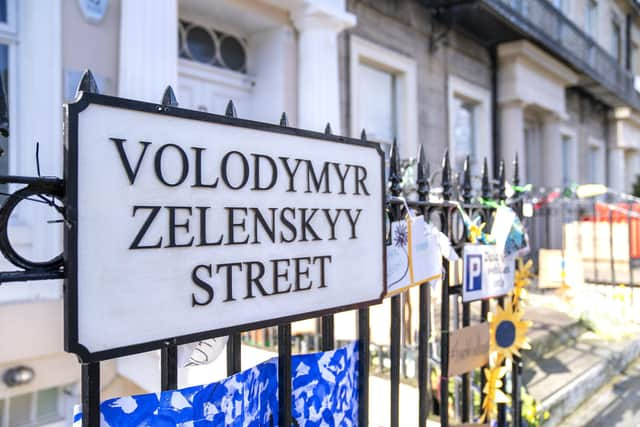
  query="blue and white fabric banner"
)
[{"x": 324, "y": 393}]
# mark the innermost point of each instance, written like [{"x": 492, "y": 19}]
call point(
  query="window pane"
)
[
  {"x": 591, "y": 18},
  {"x": 20, "y": 410},
  {"x": 3, "y": 10},
  {"x": 463, "y": 133},
  {"x": 47, "y": 403},
  {"x": 377, "y": 103},
  {"x": 593, "y": 165},
  {"x": 615, "y": 42},
  {"x": 566, "y": 152}
]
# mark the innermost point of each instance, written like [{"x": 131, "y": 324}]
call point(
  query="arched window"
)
[{"x": 210, "y": 46}]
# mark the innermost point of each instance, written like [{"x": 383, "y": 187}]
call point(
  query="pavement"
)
[{"x": 616, "y": 405}]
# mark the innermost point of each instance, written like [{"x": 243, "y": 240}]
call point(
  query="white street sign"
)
[{"x": 187, "y": 225}]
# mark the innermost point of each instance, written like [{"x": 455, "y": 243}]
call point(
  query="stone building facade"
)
[{"x": 551, "y": 81}]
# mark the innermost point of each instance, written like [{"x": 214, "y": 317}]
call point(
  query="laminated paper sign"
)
[
  {"x": 468, "y": 349},
  {"x": 413, "y": 258},
  {"x": 509, "y": 233},
  {"x": 487, "y": 272}
]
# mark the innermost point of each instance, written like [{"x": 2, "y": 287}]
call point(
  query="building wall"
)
[
  {"x": 406, "y": 27},
  {"x": 100, "y": 55},
  {"x": 589, "y": 119}
]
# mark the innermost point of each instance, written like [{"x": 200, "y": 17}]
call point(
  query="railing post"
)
[
  {"x": 363, "y": 353},
  {"x": 396, "y": 320},
  {"x": 516, "y": 372},
  {"x": 169, "y": 353},
  {"x": 501, "y": 195},
  {"x": 90, "y": 389},
  {"x": 424, "y": 306},
  {"x": 630, "y": 212},
  {"x": 612, "y": 266},
  {"x": 444, "y": 311},
  {"x": 594, "y": 257},
  {"x": 234, "y": 343},
  {"x": 484, "y": 304},
  {"x": 284, "y": 375},
  {"x": 466, "y": 307},
  {"x": 169, "y": 367},
  {"x": 328, "y": 340},
  {"x": 284, "y": 356}
]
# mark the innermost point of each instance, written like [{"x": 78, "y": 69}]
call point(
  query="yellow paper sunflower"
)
[
  {"x": 508, "y": 332},
  {"x": 492, "y": 392},
  {"x": 522, "y": 278}
]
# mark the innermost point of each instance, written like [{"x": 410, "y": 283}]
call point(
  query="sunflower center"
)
[{"x": 505, "y": 334}]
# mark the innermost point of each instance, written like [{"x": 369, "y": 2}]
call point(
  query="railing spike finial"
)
[
  {"x": 169, "y": 97},
  {"x": 231, "y": 110},
  {"x": 502, "y": 184},
  {"x": 516, "y": 171},
  {"x": 466, "y": 181},
  {"x": 423, "y": 175},
  {"x": 327, "y": 129},
  {"x": 486, "y": 184},
  {"x": 363, "y": 136},
  {"x": 87, "y": 83},
  {"x": 446, "y": 176},
  {"x": 394, "y": 172},
  {"x": 283, "y": 119}
]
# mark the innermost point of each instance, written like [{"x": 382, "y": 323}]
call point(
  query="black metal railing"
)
[
  {"x": 599, "y": 236},
  {"x": 440, "y": 207}
]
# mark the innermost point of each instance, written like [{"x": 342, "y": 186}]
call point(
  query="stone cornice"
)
[{"x": 525, "y": 50}]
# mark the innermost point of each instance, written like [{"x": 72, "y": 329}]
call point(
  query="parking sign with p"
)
[{"x": 487, "y": 273}]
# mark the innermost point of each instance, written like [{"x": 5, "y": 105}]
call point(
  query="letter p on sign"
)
[{"x": 473, "y": 277}]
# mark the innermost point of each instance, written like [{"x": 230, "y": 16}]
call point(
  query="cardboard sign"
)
[
  {"x": 413, "y": 257},
  {"x": 487, "y": 272},
  {"x": 468, "y": 349},
  {"x": 556, "y": 269},
  {"x": 189, "y": 225}
]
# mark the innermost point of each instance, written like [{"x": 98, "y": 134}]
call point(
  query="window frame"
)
[
  {"x": 616, "y": 45},
  {"x": 596, "y": 146},
  {"x": 591, "y": 25},
  {"x": 470, "y": 105},
  {"x": 9, "y": 37},
  {"x": 33, "y": 408},
  {"x": 11, "y": 26},
  {"x": 570, "y": 135},
  {"x": 480, "y": 97},
  {"x": 404, "y": 68},
  {"x": 209, "y": 24}
]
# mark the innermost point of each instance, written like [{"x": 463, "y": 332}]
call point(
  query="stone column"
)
[
  {"x": 148, "y": 48},
  {"x": 551, "y": 152},
  {"x": 617, "y": 166},
  {"x": 318, "y": 78},
  {"x": 274, "y": 67},
  {"x": 512, "y": 135}
]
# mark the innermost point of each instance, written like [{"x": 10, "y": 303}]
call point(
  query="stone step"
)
[
  {"x": 551, "y": 330},
  {"x": 563, "y": 379},
  {"x": 615, "y": 404}
]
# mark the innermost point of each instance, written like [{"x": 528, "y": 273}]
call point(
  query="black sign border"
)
[{"x": 72, "y": 111}]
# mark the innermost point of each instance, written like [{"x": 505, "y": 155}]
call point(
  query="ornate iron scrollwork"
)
[{"x": 42, "y": 189}]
